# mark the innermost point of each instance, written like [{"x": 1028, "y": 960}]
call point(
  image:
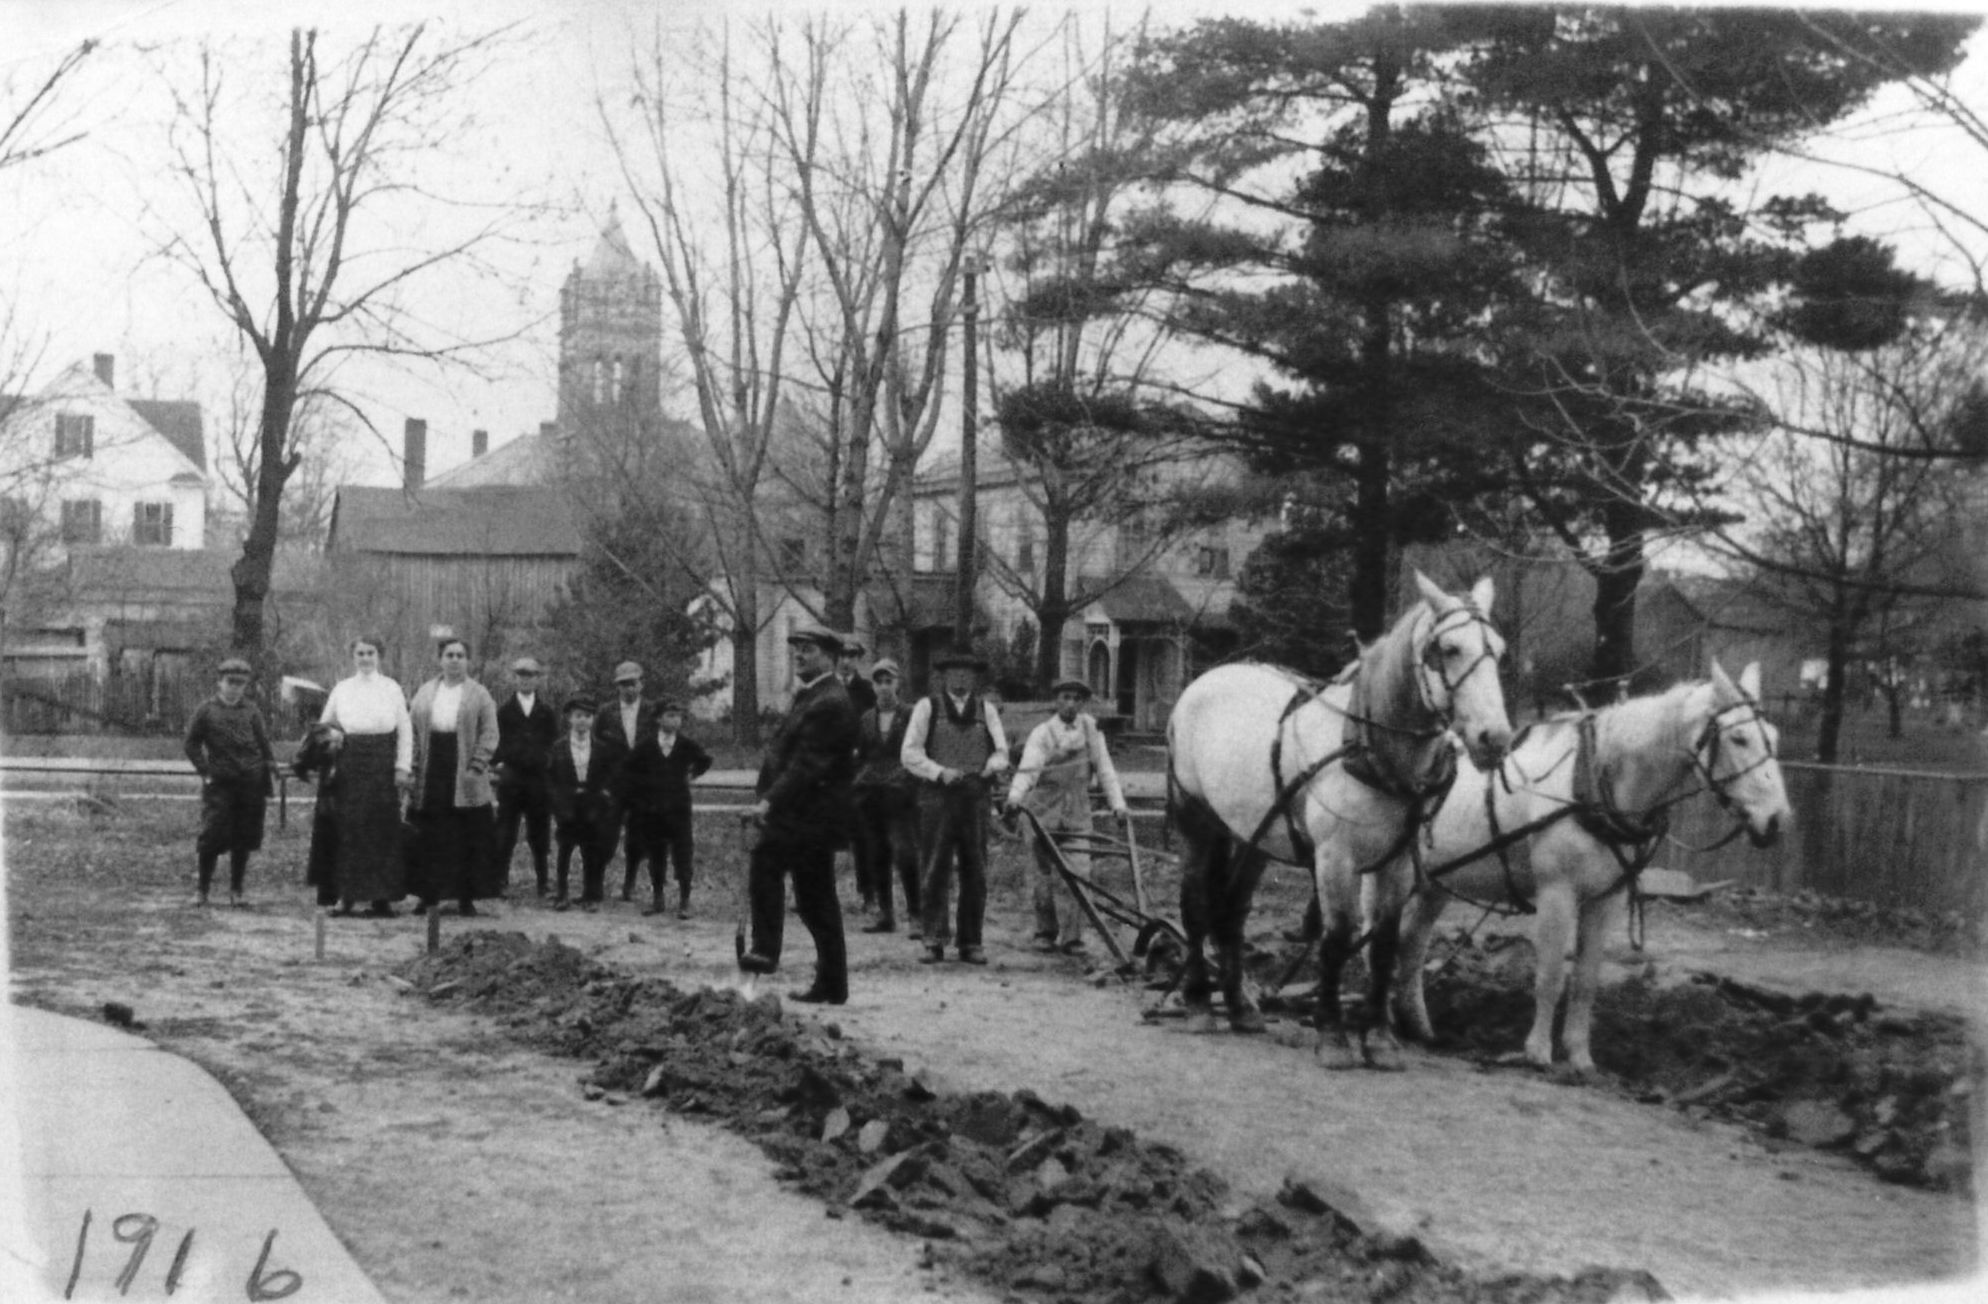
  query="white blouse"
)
[
  {"x": 448, "y": 703},
  {"x": 373, "y": 704}
]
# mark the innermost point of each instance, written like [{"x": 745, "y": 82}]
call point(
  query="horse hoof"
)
[
  {"x": 1336, "y": 1057},
  {"x": 1248, "y": 1021},
  {"x": 1386, "y": 1059},
  {"x": 1515, "y": 1059}
]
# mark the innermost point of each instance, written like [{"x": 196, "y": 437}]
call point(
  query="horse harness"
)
[
  {"x": 1631, "y": 837},
  {"x": 1363, "y": 760}
]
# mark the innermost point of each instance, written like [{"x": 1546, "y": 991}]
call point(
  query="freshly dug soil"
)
[{"x": 1023, "y": 1194}]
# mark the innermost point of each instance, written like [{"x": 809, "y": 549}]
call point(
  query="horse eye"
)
[{"x": 1739, "y": 740}]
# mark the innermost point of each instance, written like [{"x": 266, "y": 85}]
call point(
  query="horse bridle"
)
[
  {"x": 1705, "y": 752},
  {"x": 1432, "y": 660}
]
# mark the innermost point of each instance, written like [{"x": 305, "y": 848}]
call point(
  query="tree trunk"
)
[
  {"x": 745, "y": 658},
  {"x": 1835, "y": 691},
  {"x": 253, "y": 570},
  {"x": 1616, "y": 582},
  {"x": 1054, "y": 609}
]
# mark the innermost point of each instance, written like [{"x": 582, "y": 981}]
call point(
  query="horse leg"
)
[
  {"x": 1245, "y": 870},
  {"x": 1598, "y": 917},
  {"x": 1198, "y": 863},
  {"x": 1338, "y": 898},
  {"x": 1384, "y": 896},
  {"x": 1552, "y": 931},
  {"x": 1411, "y": 1010}
]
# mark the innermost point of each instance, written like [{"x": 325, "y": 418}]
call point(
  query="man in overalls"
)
[{"x": 1061, "y": 758}]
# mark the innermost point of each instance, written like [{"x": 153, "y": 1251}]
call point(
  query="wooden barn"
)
[{"x": 485, "y": 562}]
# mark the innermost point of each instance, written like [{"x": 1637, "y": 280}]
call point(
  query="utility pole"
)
[{"x": 971, "y": 267}]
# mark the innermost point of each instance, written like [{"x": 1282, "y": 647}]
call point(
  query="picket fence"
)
[{"x": 1897, "y": 838}]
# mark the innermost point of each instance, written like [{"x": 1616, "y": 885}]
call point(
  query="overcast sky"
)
[{"x": 88, "y": 279}]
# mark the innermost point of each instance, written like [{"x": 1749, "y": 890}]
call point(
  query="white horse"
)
[
  {"x": 1595, "y": 790},
  {"x": 1263, "y": 763}
]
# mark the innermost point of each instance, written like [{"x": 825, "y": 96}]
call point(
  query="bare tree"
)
[
  {"x": 733, "y": 274},
  {"x": 892, "y": 137},
  {"x": 1850, "y": 528},
  {"x": 310, "y": 249},
  {"x": 322, "y": 439}
]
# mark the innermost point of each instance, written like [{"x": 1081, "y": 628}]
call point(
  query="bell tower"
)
[{"x": 611, "y": 342}]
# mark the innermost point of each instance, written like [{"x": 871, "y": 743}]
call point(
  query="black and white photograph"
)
[{"x": 699, "y": 652}]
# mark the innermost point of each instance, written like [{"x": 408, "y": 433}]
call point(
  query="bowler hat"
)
[
  {"x": 236, "y": 666},
  {"x": 627, "y": 670},
  {"x": 1077, "y": 686},
  {"x": 826, "y": 639},
  {"x": 578, "y": 702},
  {"x": 852, "y": 646},
  {"x": 959, "y": 661},
  {"x": 885, "y": 666},
  {"x": 526, "y": 666},
  {"x": 669, "y": 704}
]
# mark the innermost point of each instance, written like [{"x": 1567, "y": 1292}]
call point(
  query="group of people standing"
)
[
  {"x": 911, "y": 790},
  {"x": 426, "y": 796}
]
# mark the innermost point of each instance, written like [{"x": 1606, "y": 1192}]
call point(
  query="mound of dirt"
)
[
  {"x": 1024, "y": 1194},
  {"x": 1833, "y": 1071}
]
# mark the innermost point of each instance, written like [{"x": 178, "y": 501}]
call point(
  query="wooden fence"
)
[
  {"x": 1892, "y": 837},
  {"x": 81, "y": 703}
]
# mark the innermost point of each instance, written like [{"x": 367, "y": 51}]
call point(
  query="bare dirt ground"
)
[{"x": 448, "y": 1134}]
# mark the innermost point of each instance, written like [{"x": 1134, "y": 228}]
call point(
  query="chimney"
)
[
  {"x": 106, "y": 365},
  {"x": 548, "y": 430},
  {"x": 414, "y": 459},
  {"x": 479, "y": 442}
]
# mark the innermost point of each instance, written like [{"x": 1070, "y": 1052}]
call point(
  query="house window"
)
[
  {"x": 152, "y": 525},
  {"x": 75, "y": 434},
  {"x": 1212, "y": 563},
  {"x": 793, "y": 555},
  {"x": 616, "y": 392},
  {"x": 1025, "y": 551},
  {"x": 600, "y": 380},
  {"x": 83, "y": 521}
]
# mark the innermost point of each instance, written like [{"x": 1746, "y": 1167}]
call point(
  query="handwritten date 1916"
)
[{"x": 138, "y": 1231}]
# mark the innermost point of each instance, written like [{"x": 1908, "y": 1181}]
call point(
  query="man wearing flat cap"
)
[
  {"x": 1064, "y": 755},
  {"x": 527, "y": 727},
  {"x": 886, "y": 807},
  {"x": 803, "y": 817},
  {"x": 617, "y": 728},
  {"x": 862, "y": 696},
  {"x": 229, "y": 747},
  {"x": 954, "y": 747}
]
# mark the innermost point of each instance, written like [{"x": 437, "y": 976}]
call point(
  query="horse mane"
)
[
  {"x": 1657, "y": 724},
  {"x": 1389, "y": 671}
]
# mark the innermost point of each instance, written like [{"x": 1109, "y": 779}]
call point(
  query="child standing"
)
[
  {"x": 580, "y": 790},
  {"x": 229, "y": 747},
  {"x": 657, "y": 785}
]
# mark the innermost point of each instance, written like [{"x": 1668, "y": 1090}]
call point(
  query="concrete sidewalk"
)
[{"x": 124, "y": 1165}]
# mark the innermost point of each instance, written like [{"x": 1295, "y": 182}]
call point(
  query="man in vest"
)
[
  {"x": 953, "y": 746},
  {"x": 1062, "y": 757},
  {"x": 526, "y": 729}
]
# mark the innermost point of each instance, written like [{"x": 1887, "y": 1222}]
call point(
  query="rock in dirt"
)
[
  {"x": 1817, "y": 1123},
  {"x": 1192, "y": 1265}
]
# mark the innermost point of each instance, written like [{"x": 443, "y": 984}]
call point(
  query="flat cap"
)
[
  {"x": 236, "y": 666},
  {"x": 959, "y": 661},
  {"x": 578, "y": 702},
  {"x": 885, "y": 666},
  {"x": 826, "y": 639},
  {"x": 670, "y": 704},
  {"x": 526, "y": 666},
  {"x": 627, "y": 670},
  {"x": 852, "y": 646},
  {"x": 1077, "y": 686}
]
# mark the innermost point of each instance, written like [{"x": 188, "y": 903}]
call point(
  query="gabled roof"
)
[
  {"x": 1143, "y": 599},
  {"x": 491, "y": 521},
  {"x": 526, "y": 460},
  {"x": 179, "y": 421}
]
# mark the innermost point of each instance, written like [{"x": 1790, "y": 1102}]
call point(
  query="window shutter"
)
[{"x": 166, "y": 524}]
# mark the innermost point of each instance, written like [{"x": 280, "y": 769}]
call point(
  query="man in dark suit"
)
[
  {"x": 862, "y": 696},
  {"x": 527, "y": 726},
  {"x": 580, "y": 784},
  {"x": 803, "y": 816},
  {"x": 657, "y": 781},
  {"x": 618, "y": 727}
]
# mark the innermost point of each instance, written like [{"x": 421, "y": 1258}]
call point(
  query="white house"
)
[{"x": 98, "y": 468}]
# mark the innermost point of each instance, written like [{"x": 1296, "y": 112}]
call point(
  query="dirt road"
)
[{"x": 457, "y": 1165}]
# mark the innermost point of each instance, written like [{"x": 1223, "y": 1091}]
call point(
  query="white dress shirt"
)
[{"x": 920, "y": 728}]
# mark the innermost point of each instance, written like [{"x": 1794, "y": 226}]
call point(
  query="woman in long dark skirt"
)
[
  {"x": 373, "y": 740},
  {"x": 454, "y": 809}
]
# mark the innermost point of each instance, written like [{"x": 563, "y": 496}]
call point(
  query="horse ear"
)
[
  {"x": 1723, "y": 682},
  {"x": 1481, "y": 595},
  {"x": 1750, "y": 680},
  {"x": 1434, "y": 596}
]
